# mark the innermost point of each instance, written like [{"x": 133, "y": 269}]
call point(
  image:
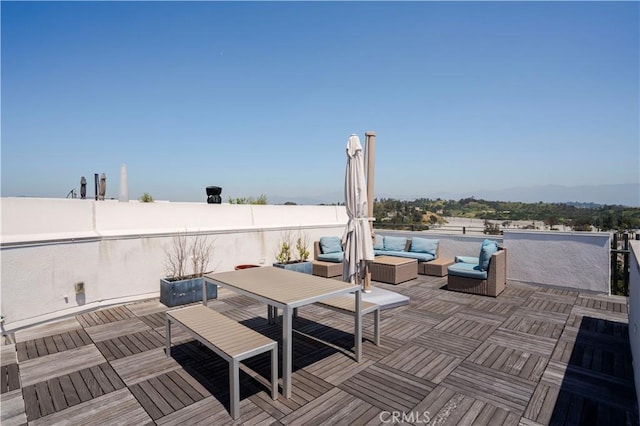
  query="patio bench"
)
[
  {"x": 347, "y": 305},
  {"x": 230, "y": 340}
]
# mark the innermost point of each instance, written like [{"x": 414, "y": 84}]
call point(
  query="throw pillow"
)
[
  {"x": 485, "y": 255},
  {"x": 379, "y": 243},
  {"x": 330, "y": 245},
  {"x": 424, "y": 245},
  {"x": 395, "y": 243}
]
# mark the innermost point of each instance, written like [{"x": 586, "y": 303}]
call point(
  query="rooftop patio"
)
[{"x": 533, "y": 355}]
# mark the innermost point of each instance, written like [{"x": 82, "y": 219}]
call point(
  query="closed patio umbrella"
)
[{"x": 358, "y": 248}]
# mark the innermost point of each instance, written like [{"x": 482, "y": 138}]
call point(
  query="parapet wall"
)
[{"x": 118, "y": 249}]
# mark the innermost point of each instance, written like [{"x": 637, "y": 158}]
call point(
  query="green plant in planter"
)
[
  {"x": 301, "y": 248},
  {"x": 293, "y": 257},
  {"x": 283, "y": 255}
]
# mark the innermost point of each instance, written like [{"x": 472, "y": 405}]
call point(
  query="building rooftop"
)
[{"x": 533, "y": 355}]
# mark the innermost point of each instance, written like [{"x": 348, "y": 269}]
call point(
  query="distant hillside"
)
[{"x": 627, "y": 194}]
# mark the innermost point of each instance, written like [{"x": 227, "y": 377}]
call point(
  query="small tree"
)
[
  {"x": 301, "y": 247},
  {"x": 283, "y": 255},
  {"x": 180, "y": 252}
]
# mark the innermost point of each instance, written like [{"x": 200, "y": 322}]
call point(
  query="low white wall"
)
[
  {"x": 118, "y": 249},
  {"x": 634, "y": 312},
  {"x": 575, "y": 260}
]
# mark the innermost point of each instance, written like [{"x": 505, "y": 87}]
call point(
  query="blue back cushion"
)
[
  {"x": 378, "y": 243},
  {"x": 330, "y": 245},
  {"x": 395, "y": 243},
  {"x": 488, "y": 248},
  {"x": 424, "y": 245}
]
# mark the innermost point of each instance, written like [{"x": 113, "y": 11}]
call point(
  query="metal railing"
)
[{"x": 620, "y": 263}]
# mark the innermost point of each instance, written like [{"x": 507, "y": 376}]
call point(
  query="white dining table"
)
[{"x": 287, "y": 290}]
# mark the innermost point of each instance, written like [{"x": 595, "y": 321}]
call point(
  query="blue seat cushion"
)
[
  {"x": 394, "y": 243},
  {"x": 331, "y": 257},
  {"x": 420, "y": 257},
  {"x": 330, "y": 245},
  {"x": 467, "y": 270},
  {"x": 424, "y": 245},
  {"x": 485, "y": 254},
  {"x": 467, "y": 259}
]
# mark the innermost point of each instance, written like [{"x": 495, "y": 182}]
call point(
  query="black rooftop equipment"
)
[{"x": 213, "y": 195}]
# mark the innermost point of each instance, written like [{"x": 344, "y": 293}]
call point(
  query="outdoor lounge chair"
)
[{"x": 485, "y": 275}]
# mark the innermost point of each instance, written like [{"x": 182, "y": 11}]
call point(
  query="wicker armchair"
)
[{"x": 493, "y": 285}]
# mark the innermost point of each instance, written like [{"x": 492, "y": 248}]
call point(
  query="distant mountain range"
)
[{"x": 627, "y": 194}]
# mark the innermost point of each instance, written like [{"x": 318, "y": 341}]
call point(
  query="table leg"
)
[
  {"x": 287, "y": 346},
  {"x": 358, "y": 325}
]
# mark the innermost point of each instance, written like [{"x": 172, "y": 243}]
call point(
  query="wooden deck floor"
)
[{"x": 531, "y": 356}]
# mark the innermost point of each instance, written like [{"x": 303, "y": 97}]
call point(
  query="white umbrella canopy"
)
[{"x": 358, "y": 248}]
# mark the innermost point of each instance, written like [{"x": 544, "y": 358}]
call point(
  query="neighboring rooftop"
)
[{"x": 532, "y": 355}]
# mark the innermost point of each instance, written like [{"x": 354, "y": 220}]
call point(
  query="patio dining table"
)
[{"x": 287, "y": 290}]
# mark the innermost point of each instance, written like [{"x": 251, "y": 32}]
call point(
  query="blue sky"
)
[{"x": 260, "y": 98}]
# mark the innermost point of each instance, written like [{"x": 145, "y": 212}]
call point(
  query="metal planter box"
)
[
  {"x": 182, "y": 292},
  {"x": 304, "y": 267}
]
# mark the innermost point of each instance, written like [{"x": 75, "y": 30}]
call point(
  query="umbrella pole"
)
[{"x": 370, "y": 153}]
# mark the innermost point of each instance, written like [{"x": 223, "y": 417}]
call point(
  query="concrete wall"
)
[
  {"x": 576, "y": 260},
  {"x": 634, "y": 312},
  {"x": 118, "y": 249}
]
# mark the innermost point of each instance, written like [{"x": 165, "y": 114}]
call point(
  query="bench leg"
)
[
  {"x": 234, "y": 388},
  {"x": 376, "y": 326},
  {"x": 274, "y": 372},
  {"x": 167, "y": 337}
]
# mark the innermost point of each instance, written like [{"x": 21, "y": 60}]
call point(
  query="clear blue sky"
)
[{"x": 260, "y": 98}]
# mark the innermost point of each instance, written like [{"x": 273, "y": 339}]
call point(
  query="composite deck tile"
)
[
  {"x": 52, "y": 344},
  {"x": 547, "y": 304},
  {"x": 115, "y": 329},
  {"x": 104, "y": 316},
  {"x": 466, "y": 327},
  {"x": 337, "y": 368},
  {"x": 387, "y": 388},
  {"x": 118, "y": 407},
  {"x": 58, "y": 364},
  {"x": 60, "y": 393},
  {"x": 497, "y": 307},
  {"x": 13, "y": 412},
  {"x": 143, "y": 366},
  {"x": 47, "y": 329},
  {"x": 130, "y": 344},
  {"x": 447, "y": 343},
  {"x": 9, "y": 378},
  {"x": 421, "y": 362},
  {"x": 333, "y": 407},
  {"x": 494, "y": 387},
  {"x": 439, "y": 309}
]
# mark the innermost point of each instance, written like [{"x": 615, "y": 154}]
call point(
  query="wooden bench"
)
[
  {"x": 227, "y": 338},
  {"x": 347, "y": 305}
]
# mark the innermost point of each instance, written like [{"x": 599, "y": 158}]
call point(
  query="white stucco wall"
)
[
  {"x": 118, "y": 249},
  {"x": 634, "y": 312},
  {"x": 576, "y": 260}
]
